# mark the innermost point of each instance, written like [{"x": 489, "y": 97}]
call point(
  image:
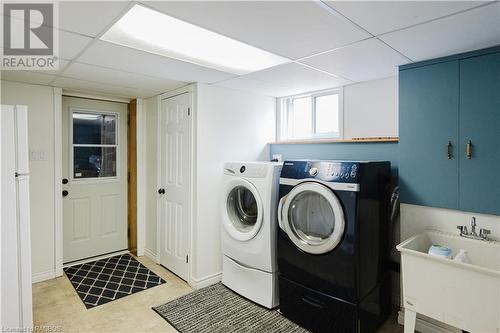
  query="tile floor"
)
[{"x": 57, "y": 307}]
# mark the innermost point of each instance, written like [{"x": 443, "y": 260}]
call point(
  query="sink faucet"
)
[
  {"x": 473, "y": 225},
  {"x": 483, "y": 233}
]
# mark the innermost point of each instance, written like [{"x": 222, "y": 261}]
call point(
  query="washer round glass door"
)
[
  {"x": 243, "y": 210},
  {"x": 313, "y": 218}
]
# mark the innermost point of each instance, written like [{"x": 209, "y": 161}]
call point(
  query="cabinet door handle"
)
[
  {"x": 468, "y": 150},
  {"x": 450, "y": 146}
]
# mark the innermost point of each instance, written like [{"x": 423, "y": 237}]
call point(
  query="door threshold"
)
[{"x": 94, "y": 258}]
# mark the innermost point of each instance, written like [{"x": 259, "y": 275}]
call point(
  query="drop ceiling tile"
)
[
  {"x": 292, "y": 29},
  {"x": 383, "y": 16},
  {"x": 89, "y": 17},
  {"x": 127, "y": 59},
  {"x": 297, "y": 78},
  {"x": 62, "y": 65},
  {"x": 367, "y": 60},
  {"x": 255, "y": 86},
  {"x": 474, "y": 29},
  {"x": 27, "y": 77},
  {"x": 71, "y": 44},
  {"x": 119, "y": 78},
  {"x": 102, "y": 89}
]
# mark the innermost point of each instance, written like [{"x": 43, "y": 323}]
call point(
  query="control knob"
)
[{"x": 313, "y": 171}]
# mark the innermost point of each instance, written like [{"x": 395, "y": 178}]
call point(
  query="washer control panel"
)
[{"x": 330, "y": 171}]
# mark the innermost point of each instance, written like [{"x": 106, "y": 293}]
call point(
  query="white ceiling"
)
[{"x": 329, "y": 43}]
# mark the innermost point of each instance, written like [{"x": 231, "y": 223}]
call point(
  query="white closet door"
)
[{"x": 175, "y": 189}]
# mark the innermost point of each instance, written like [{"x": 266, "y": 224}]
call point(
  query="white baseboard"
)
[
  {"x": 150, "y": 254},
  {"x": 42, "y": 276},
  {"x": 205, "y": 281},
  {"x": 424, "y": 325}
]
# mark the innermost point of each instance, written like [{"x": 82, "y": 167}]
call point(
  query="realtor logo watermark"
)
[{"x": 30, "y": 41}]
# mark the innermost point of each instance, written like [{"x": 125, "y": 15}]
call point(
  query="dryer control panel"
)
[{"x": 329, "y": 171}]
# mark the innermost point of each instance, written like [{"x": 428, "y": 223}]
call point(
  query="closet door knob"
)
[
  {"x": 65, "y": 193},
  {"x": 450, "y": 147},
  {"x": 161, "y": 191},
  {"x": 468, "y": 150}
]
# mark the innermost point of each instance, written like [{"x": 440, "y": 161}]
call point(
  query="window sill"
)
[{"x": 353, "y": 140}]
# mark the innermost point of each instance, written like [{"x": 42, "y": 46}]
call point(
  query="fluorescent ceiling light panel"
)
[{"x": 151, "y": 31}]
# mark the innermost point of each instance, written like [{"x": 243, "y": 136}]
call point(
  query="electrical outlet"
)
[{"x": 278, "y": 157}]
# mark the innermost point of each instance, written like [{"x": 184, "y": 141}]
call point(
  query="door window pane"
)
[
  {"x": 95, "y": 145},
  {"x": 311, "y": 217},
  {"x": 242, "y": 208},
  {"x": 92, "y": 162},
  {"x": 98, "y": 129},
  {"x": 302, "y": 117},
  {"x": 327, "y": 114}
]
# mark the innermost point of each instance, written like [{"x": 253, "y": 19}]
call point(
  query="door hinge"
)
[
  {"x": 187, "y": 259},
  {"x": 189, "y": 111}
]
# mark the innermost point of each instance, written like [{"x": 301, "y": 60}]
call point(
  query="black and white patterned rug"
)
[{"x": 105, "y": 280}]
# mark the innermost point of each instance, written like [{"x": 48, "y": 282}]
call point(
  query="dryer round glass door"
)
[
  {"x": 313, "y": 218},
  {"x": 242, "y": 210}
]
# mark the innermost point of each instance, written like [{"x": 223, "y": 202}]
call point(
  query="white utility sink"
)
[{"x": 466, "y": 296}]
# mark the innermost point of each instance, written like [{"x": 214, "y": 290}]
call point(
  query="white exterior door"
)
[
  {"x": 175, "y": 183},
  {"x": 94, "y": 178}
]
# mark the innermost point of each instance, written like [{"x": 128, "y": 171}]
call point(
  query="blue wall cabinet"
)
[
  {"x": 480, "y": 124},
  {"x": 450, "y": 132},
  {"x": 428, "y": 122}
]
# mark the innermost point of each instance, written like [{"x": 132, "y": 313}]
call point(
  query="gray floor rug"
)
[{"x": 217, "y": 309}]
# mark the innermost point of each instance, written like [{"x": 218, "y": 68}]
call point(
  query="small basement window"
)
[
  {"x": 311, "y": 116},
  {"x": 94, "y": 145}
]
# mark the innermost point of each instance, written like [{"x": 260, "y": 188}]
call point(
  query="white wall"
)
[
  {"x": 40, "y": 102},
  {"x": 231, "y": 125},
  {"x": 371, "y": 109},
  {"x": 150, "y": 110}
]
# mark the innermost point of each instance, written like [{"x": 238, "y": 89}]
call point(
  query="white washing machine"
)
[{"x": 249, "y": 230}]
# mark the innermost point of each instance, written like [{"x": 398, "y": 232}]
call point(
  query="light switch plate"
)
[{"x": 38, "y": 155}]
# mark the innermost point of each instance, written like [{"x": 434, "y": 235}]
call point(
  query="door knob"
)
[
  {"x": 468, "y": 150},
  {"x": 65, "y": 180},
  {"x": 450, "y": 146},
  {"x": 65, "y": 193},
  {"x": 161, "y": 191}
]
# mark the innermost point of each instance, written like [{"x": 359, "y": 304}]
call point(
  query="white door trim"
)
[
  {"x": 192, "y": 172},
  {"x": 158, "y": 176},
  {"x": 58, "y": 201},
  {"x": 141, "y": 177}
]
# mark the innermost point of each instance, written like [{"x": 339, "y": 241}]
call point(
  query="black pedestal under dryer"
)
[{"x": 333, "y": 255}]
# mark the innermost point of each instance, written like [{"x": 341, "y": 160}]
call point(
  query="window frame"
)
[
  {"x": 72, "y": 146},
  {"x": 285, "y": 115}
]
